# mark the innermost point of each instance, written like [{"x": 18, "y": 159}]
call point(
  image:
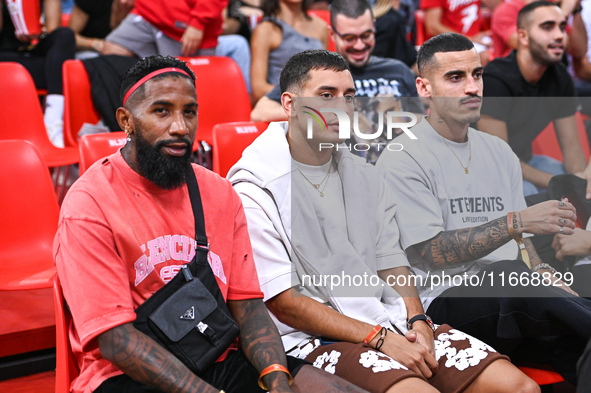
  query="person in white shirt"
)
[{"x": 316, "y": 215}]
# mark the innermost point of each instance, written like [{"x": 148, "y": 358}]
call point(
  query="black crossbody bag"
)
[{"x": 188, "y": 316}]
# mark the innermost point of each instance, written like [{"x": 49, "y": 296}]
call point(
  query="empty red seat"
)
[
  {"x": 93, "y": 147},
  {"x": 542, "y": 377},
  {"x": 66, "y": 368},
  {"x": 221, "y": 93},
  {"x": 230, "y": 139},
  {"x": 21, "y": 117},
  {"x": 546, "y": 143},
  {"x": 29, "y": 211},
  {"x": 78, "y": 105}
]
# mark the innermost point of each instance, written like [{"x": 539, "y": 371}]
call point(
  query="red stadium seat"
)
[
  {"x": 220, "y": 99},
  {"x": 229, "y": 140},
  {"x": 93, "y": 147},
  {"x": 29, "y": 212},
  {"x": 221, "y": 93},
  {"x": 546, "y": 142},
  {"x": 66, "y": 368},
  {"x": 65, "y": 20},
  {"x": 78, "y": 105},
  {"x": 542, "y": 377},
  {"x": 420, "y": 21},
  {"x": 21, "y": 117}
]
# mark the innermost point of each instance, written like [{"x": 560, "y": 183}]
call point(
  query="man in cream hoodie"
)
[{"x": 325, "y": 242}]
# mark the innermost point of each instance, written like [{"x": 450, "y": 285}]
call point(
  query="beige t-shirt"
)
[{"x": 435, "y": 194}]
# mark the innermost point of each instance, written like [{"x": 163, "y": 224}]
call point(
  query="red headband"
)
[{"x": 150, "y": 76}]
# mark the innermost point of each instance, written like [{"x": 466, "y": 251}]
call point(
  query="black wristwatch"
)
[{"x": 420, "y": 317}]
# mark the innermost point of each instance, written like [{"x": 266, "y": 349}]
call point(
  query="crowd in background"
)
[{"x": 520, "y": 59}]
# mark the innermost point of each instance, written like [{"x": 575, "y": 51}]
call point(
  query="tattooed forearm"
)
[
  {"x": 464, "y": 245},
  {"x": 142, "y": 359},
  {"x": 259, "y": 339}
]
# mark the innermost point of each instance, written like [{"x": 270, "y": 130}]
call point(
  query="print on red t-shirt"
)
[{"x": 462, "y": 16}]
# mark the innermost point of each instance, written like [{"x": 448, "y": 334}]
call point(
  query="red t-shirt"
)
[
  {"x": 462, "y": 16},
  {"x": 25, "y": 16},
  {"x": 173, "y": 17},
  {"x": 121, "y": 238},
  {"x": 503, "y": 24}
]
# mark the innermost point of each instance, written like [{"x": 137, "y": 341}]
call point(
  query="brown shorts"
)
[{"x": 461, "y": 359}]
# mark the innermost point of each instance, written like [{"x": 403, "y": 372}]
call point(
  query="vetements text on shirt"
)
[{"x": 476, "y": 205}]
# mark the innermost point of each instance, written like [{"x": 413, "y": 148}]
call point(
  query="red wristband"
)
[
  {"x": 271, "y": 369},
  {"x": 372, "y": 334}
]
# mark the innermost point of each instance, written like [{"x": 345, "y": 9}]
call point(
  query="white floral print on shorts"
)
[
  {"x": 463, "y": 358},
  {"x": 379, "y": 362}
]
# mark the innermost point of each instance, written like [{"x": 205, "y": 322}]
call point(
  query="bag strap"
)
[
  {"x": 195, "y": 196},
  {"x": 201, "y": 268}
]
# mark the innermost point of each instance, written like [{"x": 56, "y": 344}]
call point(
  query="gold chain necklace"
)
[
  {"x": 317, "y": 186},
  {"x": 458, "y": 158}
]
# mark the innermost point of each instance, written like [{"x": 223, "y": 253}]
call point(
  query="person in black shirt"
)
[
  {"x": 43, "y": 56},
  {"x": 92, "y": 20},
  {"x": 520, "y": 93}
]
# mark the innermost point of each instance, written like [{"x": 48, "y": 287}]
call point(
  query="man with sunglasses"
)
[{"x": 353, "y": 32}]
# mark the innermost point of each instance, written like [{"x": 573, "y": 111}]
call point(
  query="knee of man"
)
[
  {"x": 526, "y": 385},
  {"x": 64, "y": 37}
]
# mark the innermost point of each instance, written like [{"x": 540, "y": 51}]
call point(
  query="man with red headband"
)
[{"x": 127, "y": 227}]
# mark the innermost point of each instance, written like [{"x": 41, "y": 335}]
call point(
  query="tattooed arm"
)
[
  {"x": 468, "y": 244},
  {"x": 534, "y": 258},
  {"x": 260, "y": 341},
  {"x": 142, "y": 359},
  {"x": 261, "y": 344},
  {"x": 464, "y": 245}
]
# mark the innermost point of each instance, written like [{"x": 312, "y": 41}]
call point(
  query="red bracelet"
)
[
  {"x": 512, "y": 232},
  {"x": 271, "y": 369},
  {"x": 373, "y": 333}
]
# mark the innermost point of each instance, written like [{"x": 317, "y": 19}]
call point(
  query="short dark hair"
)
[
  {"x": 528, "y": 9},
  {"x": 350, "y": 8},
  {"x": 295, "y": 73},
  {"x": 445, "y": 42},
  {"x": 150, "y": 64},
  {"x": 271, "y": 7}
]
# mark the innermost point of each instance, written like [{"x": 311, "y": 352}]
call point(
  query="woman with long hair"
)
[{"x": 287, "y": 29}]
